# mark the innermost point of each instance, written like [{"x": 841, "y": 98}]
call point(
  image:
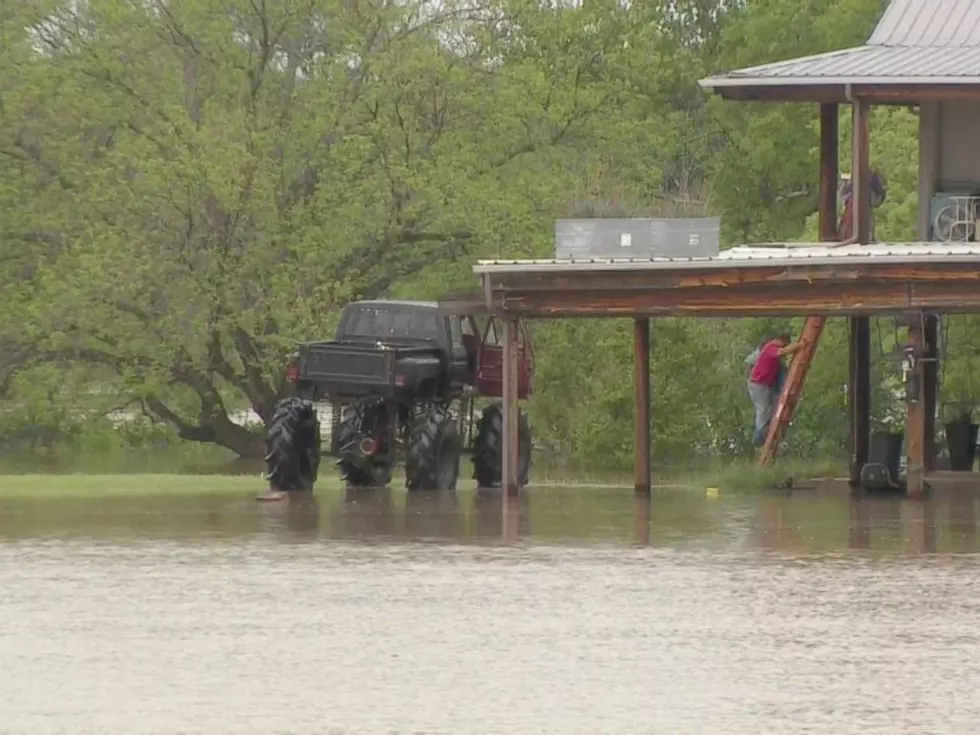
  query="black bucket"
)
[
  {"x": 886, "y": 449},
  {"x": 961, "y": 440}
]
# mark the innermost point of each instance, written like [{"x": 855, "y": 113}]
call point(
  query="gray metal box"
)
[{"x": 582, "y": 239}]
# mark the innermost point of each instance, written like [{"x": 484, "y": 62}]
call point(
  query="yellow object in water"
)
[{"x": 712, "y": 493}]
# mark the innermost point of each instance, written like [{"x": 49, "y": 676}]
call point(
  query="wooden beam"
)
[
  {"x": 915, "y": 425},
  {"x": 884, "y": 94},
  {"x": 510, "y": 459},
  {"x": 879, "y": 94},
  {"x": 789, "y": 300},
  {"x": 641, "y": 405},
  {"x": 859, "y": 394},
  {"x": 800, "y": 273}
]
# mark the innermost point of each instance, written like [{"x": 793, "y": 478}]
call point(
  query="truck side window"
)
[{"x": 456, "y": 333}]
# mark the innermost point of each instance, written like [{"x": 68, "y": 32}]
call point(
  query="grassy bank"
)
[
  {"x": 740, "y": 477},
  {"x": 84, "y": 485}
]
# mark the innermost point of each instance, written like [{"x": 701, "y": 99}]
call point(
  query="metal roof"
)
[
  {"x": 937, "y": 23},
  {"x": 915, "y": 42},
  {"x": 775, "y": 254},
  {"x": 864, "y": 65}
]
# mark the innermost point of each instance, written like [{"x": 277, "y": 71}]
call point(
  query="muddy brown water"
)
[{"x": 578, "y": 611}]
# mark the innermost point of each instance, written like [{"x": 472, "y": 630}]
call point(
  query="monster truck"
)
[{"x": 403, "y": 376}]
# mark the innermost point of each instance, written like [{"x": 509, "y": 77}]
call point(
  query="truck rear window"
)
[{"x": 384, "y": 322}]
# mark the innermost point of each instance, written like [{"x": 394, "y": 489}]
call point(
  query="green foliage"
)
[{"x": 189, "y": 188}]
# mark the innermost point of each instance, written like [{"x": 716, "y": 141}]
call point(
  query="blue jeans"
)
[{"x": 765, "y": 399}]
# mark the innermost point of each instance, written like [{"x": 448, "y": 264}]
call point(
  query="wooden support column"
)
[
  {"x": 859, "y": 381},
  {"x": 859, "y": 394},
  {"x": 641, "y": 405},
  {"x": 915, "y": 424},
  {"x": 510, "y": 460},
  {"x": 930, "y": 389},
  {"x": 829, "y": 175},
  {"x": 930, "y": 155},
  {"x": 861, "y": 169}
]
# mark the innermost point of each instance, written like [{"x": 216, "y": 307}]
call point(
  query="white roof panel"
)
[{"x": 776, "y": 254}]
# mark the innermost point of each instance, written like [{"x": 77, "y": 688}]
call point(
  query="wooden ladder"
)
[{"x": 799, "y": 368}]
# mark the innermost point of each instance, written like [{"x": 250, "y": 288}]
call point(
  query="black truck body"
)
[{"x": 397, "y": 350}]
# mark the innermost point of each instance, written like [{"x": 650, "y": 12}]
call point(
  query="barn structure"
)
[{"x": 923, "y": 54}]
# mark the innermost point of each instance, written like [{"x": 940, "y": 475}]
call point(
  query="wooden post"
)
[
  {"x": 915, "y": 424},
  {"x": 859, "y": 394},
  {"x": 930, "y": 389},
  {"x": 510, "y": 410},
  {"x": 859, "y": 383},
  {"x": 930, "y": 155},
  {"x": 829, "y": 144},
  {"x": 641, "y": 405},
  {"x": 861, "y": 169}
]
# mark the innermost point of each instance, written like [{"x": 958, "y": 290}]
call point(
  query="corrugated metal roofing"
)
[
  {"x": 943, "y": 23},
  {"x": 751, "y": 256},
  {"x": 867, "y": 64},
  {"x": 915, "y": 42}
]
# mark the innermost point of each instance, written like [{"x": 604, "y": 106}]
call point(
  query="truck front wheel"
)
[
  {"x": 292, "y": 446},
  {"x": 434, "y": 447},
  {"x": 488, "y": 447}
]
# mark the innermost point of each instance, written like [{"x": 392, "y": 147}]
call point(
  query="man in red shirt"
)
[{"x": 764, "y": 382}]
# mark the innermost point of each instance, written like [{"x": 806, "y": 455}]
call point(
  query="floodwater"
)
[{"x": 576, "y": 611}]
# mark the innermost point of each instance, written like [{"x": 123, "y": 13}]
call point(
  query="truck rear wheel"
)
[
  {"x": 292, "y": 446},
  {"x": 489, "y": 444},
  {"x": 375, "y": 475},
  {"x": 434, "y": 447}
]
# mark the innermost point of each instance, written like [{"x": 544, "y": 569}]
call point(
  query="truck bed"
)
[{"x": 349, "y": 369}]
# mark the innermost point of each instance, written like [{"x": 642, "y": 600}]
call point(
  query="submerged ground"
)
[{"x": 182, "y": 605}]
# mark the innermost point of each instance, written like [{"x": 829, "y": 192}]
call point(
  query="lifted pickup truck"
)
[
  {"x": 405, "y": 374},
  {"x": 400, "y": 350}
]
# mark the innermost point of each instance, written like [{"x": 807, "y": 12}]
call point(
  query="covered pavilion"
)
[{"x": 923, "y": 53}]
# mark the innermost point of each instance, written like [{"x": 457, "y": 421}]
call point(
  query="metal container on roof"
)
[{"x": 637, "y": 237}]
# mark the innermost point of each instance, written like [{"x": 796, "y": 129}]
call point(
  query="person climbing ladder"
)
[{"x": 765, "y": 381}]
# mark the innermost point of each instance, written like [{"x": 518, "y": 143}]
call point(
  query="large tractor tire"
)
[
  {"x": 292, "y": 446},
  {"x": 434, "y": 448},
  {"x": 488, "y": 448},
  {"x": 375, "y": 475}
]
